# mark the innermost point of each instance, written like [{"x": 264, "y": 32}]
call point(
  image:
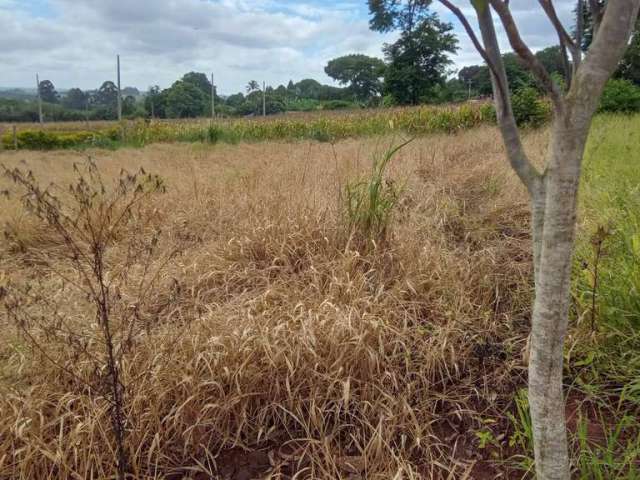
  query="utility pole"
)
[
  {"x": 86, "y": 110},
  {"x": 264, "y": 99},
  {"x": 469, "y": 83},
  {"x": 213, "y": 99},
  {"x": 119, "y": 93},
  {"x": 39, "y": 100}
]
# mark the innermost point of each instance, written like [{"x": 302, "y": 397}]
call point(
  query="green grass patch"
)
[{"x": 328, "y": 127}]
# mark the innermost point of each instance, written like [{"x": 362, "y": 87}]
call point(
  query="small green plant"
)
[
  {"x": 369, "y": 202},
  {"x": 528, "y": 108},
  {"x": 214, "y": 134},
  {"x": 616, "y": 457},
  {"x": 485, "y": 438},
  {"x": 522, "y": 437}
]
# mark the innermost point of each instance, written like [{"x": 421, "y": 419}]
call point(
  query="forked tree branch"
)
[
  {"x": 525, "y": 53},
  {"x": 490, "y": 52},
  {"x": 566, "y": 42},
  {"x": 478, "y": 46},
  {"x": 550, "y": 10}
]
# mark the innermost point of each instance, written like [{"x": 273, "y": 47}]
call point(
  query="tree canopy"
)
[
  {"x": 362, "y": 73},
  {"x": 75, "y": 99},
  {"x": 418, "y": 60},
  {"x": 48, "y": 92},
  {"x": 185, "y": 99}
]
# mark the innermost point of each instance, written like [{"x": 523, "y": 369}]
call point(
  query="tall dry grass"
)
[{"x": 272, "y": 347}]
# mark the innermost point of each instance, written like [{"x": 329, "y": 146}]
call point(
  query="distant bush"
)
[
  {"x": 338, "y": 105},
  {"x": 528, "y": 108},
  {"x": 302, "y": 105},
  {"x": 388, "y": 101},
  {"x": 51, "y": 140},
  {"x": 620, "y": 96}
]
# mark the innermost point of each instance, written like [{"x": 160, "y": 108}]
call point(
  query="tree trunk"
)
[
  {"x": 553, "y": 255},
  {"x": 553, "y": 195}
]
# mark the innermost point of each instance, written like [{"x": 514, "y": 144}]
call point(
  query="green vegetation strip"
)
[{"x": 413, "y": 121}]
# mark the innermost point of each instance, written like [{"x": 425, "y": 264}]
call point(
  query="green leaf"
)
[
  {"x": 635, "y": 245},
  {"x": 587, "y": 361}
]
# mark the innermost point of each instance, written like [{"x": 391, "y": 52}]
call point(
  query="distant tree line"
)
[
  {"x": 74, "y": 105},
  {"x": 416, "y": 69}
]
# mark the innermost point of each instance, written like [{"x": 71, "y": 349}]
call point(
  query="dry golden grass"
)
[{"x": 270, "y": 342}]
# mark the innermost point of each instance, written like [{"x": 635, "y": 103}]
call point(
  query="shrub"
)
[
  {"x": 369, "y": 202},
  {"x": 620, "y": 96},
  {"x": 528, "y": 109},
  {"x": 338, "y": 105},
  {"x": 88, "y": 220},
  {"x": 388, "y": 101}
]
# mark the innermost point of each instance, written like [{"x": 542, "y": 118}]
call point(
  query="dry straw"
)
[{"x": 270, "y": 346}]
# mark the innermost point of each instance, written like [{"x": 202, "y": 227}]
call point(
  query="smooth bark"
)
[{"x": 553, "y": 194}]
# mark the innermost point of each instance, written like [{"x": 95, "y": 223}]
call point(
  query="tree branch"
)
[
  {"x": 596, "y": 15},
  {"x": 579, "y": 28},
  {"x": 503, "y": 91},
  {"x": 566, "y": 42},
  {"x": 527, "y": 56},
  {"x": 566, "y": 66},
  {"x": 516, "y": 155}
]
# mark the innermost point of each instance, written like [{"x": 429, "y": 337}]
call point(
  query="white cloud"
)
[{"x": 75, "y": 43}]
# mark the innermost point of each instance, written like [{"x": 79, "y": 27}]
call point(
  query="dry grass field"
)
[{"x": 275, "y": 343}]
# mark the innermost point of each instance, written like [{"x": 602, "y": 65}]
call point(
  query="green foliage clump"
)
[
  {"x": 369, "y": 202},
  {"x": 302, "y": 105},
  {"x": 620, "y": 96},
  {"x": 51, "y": 140},
  {"x": 338, "y": 105},
  {"x": 529, "y": 110}
]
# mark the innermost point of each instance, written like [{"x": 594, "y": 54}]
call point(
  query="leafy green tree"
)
[
  {"x": 308, "y": 88},
  {"x": 477, "y": 78},
  {"x": 551, "y": 59},
  {"x": 388, "y": 15},
  {"x": 418, "y": 60},
  {"x": 235, "y": 100},
  {"x": 153, "y": 102},
  {"x": 362, "y": 73},
  {"x": 130, "y": 91},
  {"x": 478, "y": 75},
  {"x": 107, "y": 95},
  {"x": 48, "y": 92},
  {"x": 252, "y": 86},
  {"x": 186, "y": 100},
  {"x": 75, "y": 99},
  {"x": 199, "y": 80},
  {"x": 128, "y": 105},
  {"x": 281, "y": 91}
]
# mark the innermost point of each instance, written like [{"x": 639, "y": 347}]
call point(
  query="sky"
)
[{"x": 74, "y": 43}]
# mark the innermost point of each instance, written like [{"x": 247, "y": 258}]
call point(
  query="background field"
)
[
  {"x": 275, "y": 343},
  {"x": 324, "y": 127}
]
